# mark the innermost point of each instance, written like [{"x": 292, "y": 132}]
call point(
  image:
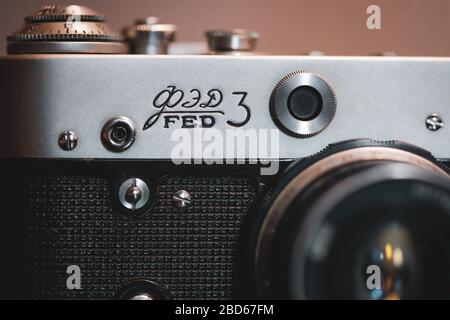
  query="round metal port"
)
[{"x": 118, "y": 134}]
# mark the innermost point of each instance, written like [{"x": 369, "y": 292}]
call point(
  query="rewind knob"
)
[{"x": 65, "y": 29}]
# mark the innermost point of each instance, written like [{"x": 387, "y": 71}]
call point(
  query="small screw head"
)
[
  {"x": 134, "y": 194},
  {"x": 68, "y": 140},
  {"x": 181, "y": 199},
  {"x": 434, "y": 122}
]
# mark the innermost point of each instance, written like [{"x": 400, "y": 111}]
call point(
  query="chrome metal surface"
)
[
  {"x": 237, "y": 40},
  {"x": 280, "y": 110},
  {"x": 307, "y": 176},
  {"x": 149, "y": 36},
  {"x": 68, "y": 140},
  {"x": 434, "y": 122},
  {"x": 43, "y": 95},
  {"x": 134, "y": 194},
  {"x": 64, "y": 12},
  {"x": 142, "y": 297},
  {"x": 181, "y": 199},
  {"x": 48, "y": 30},
  {"x": 73, "y": 47}
]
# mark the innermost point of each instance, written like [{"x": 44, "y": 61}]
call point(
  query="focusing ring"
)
[{"x": 299, "y": 176}]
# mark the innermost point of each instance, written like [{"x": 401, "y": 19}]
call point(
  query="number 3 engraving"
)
[{"x": 243, "y": 105}]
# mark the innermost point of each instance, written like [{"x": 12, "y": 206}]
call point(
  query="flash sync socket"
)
[{"x": 118, "y": 134}]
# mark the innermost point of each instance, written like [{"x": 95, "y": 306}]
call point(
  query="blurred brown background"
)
[{"x": 409, "y": 27}]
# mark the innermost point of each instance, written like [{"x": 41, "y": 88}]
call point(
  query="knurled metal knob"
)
[
  {"x": 303, "y": 104},
  {"x": 65, "y": 29},
  {"x": 149, "y": 36},
  {"x": 237, "y": 40}
]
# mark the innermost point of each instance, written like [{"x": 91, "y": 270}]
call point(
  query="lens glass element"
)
[{"x": 387, "y": 241}]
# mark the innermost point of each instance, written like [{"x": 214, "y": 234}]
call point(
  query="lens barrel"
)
[{"x": 365, "y": 222}]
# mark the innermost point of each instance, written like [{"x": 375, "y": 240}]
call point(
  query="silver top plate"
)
[{"x": 382, "y": 98}]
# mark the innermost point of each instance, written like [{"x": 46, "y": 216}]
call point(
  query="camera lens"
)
[
  {"x": 377, "y": 227},
  {"x": 392, "y": 253},
  {"x": 382, "y": 242}
]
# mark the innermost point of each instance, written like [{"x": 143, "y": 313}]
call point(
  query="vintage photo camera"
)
[{"x": 131, "y": 171}]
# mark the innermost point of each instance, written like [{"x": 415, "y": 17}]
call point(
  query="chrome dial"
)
[{"x": 65, "y": 29}]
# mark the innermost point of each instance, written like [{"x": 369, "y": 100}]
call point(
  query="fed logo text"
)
[{"x": 194, "y": 108}]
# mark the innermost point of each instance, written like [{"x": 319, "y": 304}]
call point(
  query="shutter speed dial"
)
[
  {"x": 303, "y": 104},
  {"x": 65, "y": 29}
]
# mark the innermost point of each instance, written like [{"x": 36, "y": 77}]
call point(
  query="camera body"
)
[{"x": 174, "y": 176}]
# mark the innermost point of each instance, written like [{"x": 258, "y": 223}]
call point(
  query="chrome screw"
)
[
  {"x": 134, "y": 194},
  {"x": 142, "y": 297},
  {"x": 181, "y": 199},
  {"x": 434, "y": 122},
  {"x": 68, "y": 140}
]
